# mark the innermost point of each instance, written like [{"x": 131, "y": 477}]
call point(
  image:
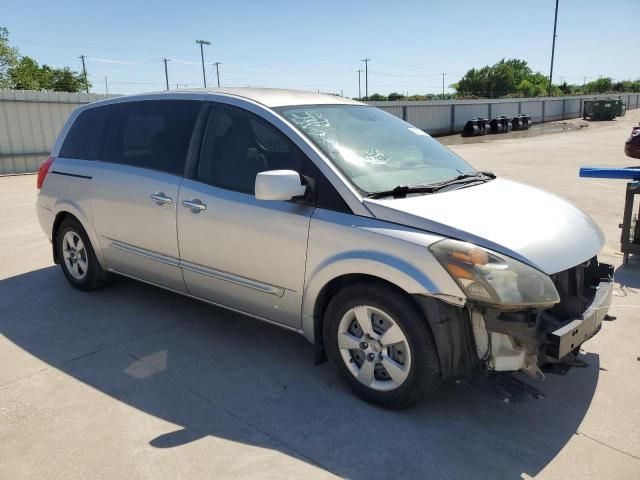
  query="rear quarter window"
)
[{"x": 86, "y": 136}]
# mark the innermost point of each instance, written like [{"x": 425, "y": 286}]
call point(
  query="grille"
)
[{"x": 577, "y": 287}]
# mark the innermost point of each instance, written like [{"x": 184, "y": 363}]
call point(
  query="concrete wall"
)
[
  {"x": 30, "y": 121},
  {"x": 450, "y": 116}
]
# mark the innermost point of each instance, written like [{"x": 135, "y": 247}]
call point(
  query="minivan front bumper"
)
[
  {"x": 479, "y": 337},
  {"x": 567, "y": 338}
]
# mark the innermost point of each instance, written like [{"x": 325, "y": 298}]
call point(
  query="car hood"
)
[{"x": 525, "y": 223}]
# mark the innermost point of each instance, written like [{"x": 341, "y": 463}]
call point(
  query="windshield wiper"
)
[
  {"x": 401, "y": 191},
  {"x": 465, "y": 178}
]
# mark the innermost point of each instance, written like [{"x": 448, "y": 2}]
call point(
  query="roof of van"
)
[{"x": 275, "y": 97}]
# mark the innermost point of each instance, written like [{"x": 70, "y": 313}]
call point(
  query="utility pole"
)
[
  {"x": 84, "y": 72},
  {"x": 204, "y": 75},
  {"x": 366, "y": 77},
  {"x": 166, "y": 72},
  {"x": 359, "y": 87},
  {"x": 553, "y": 46},
  {"x": 106, "y": 85},
  {"x": 443, "y": 74},
  {"x": 218, "y": 71}
]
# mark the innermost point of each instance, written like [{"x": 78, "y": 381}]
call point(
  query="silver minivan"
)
[{"x": 402, "y": 264}]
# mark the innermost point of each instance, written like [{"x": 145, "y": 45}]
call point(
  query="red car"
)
[{"x": 632, "y": 145}]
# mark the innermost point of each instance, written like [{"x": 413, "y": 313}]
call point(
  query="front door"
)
[{"x": 236, "y": 251}]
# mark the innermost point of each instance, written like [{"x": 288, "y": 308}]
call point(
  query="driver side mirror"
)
[{"x": 279, "y": 185}]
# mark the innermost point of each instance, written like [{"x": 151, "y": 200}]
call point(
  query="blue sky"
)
[{"x": 318, "y": 45}]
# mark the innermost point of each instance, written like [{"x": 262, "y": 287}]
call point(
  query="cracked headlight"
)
[{"x": 490, "y": 277}]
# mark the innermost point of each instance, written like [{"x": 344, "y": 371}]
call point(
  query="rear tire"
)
[
  {"x": 77, "y": 257},
  {"x": 390, "y": 360}
]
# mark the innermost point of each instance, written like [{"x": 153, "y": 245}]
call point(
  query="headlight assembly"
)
[{"x": 490, "y": 277}]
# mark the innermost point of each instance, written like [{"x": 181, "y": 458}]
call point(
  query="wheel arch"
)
[
  {"x": 448, "y": 324},
  {"x": 65, "y": 212}
]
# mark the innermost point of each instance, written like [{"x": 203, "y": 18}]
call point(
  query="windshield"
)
[{"x": 376, "y": 150}]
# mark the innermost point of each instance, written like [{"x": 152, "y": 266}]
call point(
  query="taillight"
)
[{"x": 43, "y": 170}]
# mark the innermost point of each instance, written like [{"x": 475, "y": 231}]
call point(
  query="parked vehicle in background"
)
[
  {"x": 397, "y": 259},
  {"x": 632, "y": 145}
]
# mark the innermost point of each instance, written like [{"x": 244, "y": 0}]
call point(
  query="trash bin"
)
[
  {"x": 601, "y": 109},
  {"x": 500, "y": 124},
  {"x": 521, "y": 122},
  {"x": 476, "y": 126},
  {"x": 620, "y": 107}
]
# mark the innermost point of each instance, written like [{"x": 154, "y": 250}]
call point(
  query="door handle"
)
[
  {"x": 195, "y": 205},
  {"x": 160, "y": 198}
]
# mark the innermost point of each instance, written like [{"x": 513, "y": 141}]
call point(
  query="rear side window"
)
[
  {"x": 86, "y": 135},
  {"x": 153, "y": 134}
]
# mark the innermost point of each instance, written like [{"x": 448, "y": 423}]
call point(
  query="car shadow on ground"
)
[
  {"x": 628, "y": 275},
  {"x": 218, "y": 373}
]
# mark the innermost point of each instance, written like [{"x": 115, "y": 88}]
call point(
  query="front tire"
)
[
  {"x": 77, "y": 257},
  {"x": 381, "y": 345}
]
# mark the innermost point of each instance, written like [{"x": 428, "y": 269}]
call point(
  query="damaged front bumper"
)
[
  {"x": 479, "y": 337},
  {"x": 529, "y": 340},
  {"x": 568, "y": 337}
]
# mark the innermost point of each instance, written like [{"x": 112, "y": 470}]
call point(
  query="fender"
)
[{"x": 395, "y": 270}]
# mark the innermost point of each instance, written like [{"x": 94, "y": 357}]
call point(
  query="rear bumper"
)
[{"x": 567, "y": 338}]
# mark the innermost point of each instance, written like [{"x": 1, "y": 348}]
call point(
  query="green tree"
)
[
  {"x": 28, "y": 75},
  {"x": 505, "y": 78},
  {"x": 601, "y": 85},
  {"x": 24, "y": 73},
  {"x": 377, "y": 97},
  {"x": 64, "y": 80},
  {"x": 395, "y": 96},
  {"x": 8, "y": 58}
]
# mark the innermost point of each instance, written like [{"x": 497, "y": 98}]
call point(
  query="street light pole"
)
[
  {"x": 359, "y": 87},
  {"x": 366, "y": 78},
  {"x": 443, "y": 74},
  {"x": 553, "y": 46},
  {"x": 204, "y": 76}
]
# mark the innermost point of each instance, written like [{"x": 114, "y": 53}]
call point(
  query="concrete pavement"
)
[{"x": 134, "y": 382}]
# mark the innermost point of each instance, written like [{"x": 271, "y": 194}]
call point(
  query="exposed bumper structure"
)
[
  {"x": 567, "y": 338},
  {"x": 483, "y": 338}
]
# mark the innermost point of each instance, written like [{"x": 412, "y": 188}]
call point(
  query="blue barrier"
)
[{"x": 619, "y": 173}]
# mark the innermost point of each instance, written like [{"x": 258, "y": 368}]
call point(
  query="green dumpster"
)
[
  {"x": 622, "y": 109},
  {"x": 604, "y": 109},
  {"x": 601, "y": 109}
]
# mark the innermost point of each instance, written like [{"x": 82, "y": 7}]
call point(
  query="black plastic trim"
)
[
  {"x": 76, "y": 175},
  {"x": 451, "y": 329}
]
